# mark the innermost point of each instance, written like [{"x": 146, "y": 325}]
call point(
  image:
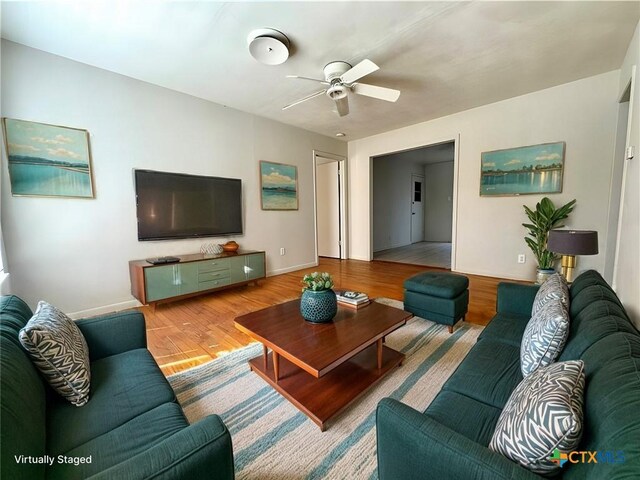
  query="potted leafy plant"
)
[
  {"x": 544, "y": 218},
  {"x": 318, "y": 303}
]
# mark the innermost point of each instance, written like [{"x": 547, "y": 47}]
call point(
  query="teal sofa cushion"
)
[
  {"x": 516, "y": 298},
  {"x": 123, "y": 386},
  {"x": 595, "y": 324},
  {"x": 117, "y": 445},
  {"x": 506, "y": 328},
  {"x": 590, "y": 294},
  {"x": 22, "y": 397},
  {"x": 586, "y": 279},
  {"x": 612, "y": 403},
  {"x": 464, "y": 415},
  {"x": 437, "y": 284},
  {"x": 488, "y": 374}
]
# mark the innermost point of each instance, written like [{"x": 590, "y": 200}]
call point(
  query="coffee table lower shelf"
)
[{"x": 324, "y": 397}]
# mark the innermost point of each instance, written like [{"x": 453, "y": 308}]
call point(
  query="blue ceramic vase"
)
[{"x": 318, "y": 307}]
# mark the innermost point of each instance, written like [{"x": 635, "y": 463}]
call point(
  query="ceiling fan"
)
[{"x": 341, "y": 78}]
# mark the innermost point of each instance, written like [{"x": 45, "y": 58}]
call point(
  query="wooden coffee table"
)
[{"x": 321, "y": 368}]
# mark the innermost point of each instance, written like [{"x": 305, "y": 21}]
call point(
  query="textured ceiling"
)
[{"x": 445, "y": 56}]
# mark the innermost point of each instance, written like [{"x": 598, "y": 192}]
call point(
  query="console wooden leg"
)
[
  {"x": 276, "y": 366},
  {"x": 379, "y": 353},
  {"x": 265, "y": 354}
]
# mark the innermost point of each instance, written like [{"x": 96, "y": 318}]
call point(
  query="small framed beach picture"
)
[
  {"x": 278, "y": 186},
  {"x": 48, "y": 160},
  {"x": 523, "y": 171}
]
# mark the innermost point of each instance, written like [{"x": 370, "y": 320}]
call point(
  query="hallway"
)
[{"x": 430, "y": 254}]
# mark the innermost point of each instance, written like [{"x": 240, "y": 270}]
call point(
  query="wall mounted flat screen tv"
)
[{"x": 176, "y": 205}]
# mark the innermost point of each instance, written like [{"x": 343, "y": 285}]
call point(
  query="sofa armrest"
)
[
  {"x": 412, "y": 445},
  {"x": 115, "y": 333},
  {"x": 202, "y": 450},
  {"x": 516, "y": 298}
]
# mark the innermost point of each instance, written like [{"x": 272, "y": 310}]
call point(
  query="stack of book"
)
[{"x": 351, "y": 299}]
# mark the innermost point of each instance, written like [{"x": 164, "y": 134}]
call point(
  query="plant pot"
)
[
  {"x": 318, "y": 307},
  {"x": 543, "y": 274}
]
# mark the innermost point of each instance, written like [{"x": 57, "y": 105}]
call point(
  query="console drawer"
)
[
  {"x": 206, "y": 285},
  {"x": 214, "y": 264},
  {"x": 213, "y": 275}
]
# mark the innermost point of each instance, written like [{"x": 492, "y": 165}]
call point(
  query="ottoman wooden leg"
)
[{"x": 450, "y": 328}]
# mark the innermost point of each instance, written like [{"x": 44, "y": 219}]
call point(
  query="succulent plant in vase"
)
[
  {"x": 318, "y": 303},
  {"x": 543, "y": 219}
]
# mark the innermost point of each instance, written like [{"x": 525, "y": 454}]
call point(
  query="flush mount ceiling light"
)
[
  {"x": 340, "y": 134},
  {"x": 268, "y": 46}
]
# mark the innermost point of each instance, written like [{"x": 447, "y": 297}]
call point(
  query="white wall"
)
[
  {"x": 392, "y": 190},
  {"x": 74, "y": 252},
  {"x": 489, "y": 230},
  {"x": 626, "y": 277},
  {"x": 438, "y": 201}
]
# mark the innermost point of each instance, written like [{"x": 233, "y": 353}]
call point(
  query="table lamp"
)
[{"x": 570, "y": 243}]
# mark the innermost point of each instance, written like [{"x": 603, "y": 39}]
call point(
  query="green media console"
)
[{"x": 194, "y": 275}]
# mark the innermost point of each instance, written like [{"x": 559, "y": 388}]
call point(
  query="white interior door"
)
[
  {"x": 417, "y": 209},
  {"x": 328, "y": 206}
]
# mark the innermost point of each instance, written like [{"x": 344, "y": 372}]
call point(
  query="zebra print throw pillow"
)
[
  {"x": 58, "y": 348},
  {"x": 544, "y": 337},
  {"x": 543, "y": 413},
  {"x": 554, "y": 288}
]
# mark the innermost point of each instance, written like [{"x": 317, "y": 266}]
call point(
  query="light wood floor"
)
[
  {"x": 189, "y": 332},
  {"x": 431, "y": 254}
]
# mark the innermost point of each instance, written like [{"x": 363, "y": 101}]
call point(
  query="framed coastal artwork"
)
[
  {"x": 278, "y": 186},
  {"x": 523, "y": 170},
  {"x": 48, "y": 160}
]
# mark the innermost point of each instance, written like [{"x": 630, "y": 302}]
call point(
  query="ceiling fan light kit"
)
[
  {"x": 341, "y": 78},
  {"x": 268, "y": 46}
]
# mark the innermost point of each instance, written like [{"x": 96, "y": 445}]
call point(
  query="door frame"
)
[
  {"x": 625, "y": 167},
  {"x": 455, "y": 138},
  {"x": 342, "y": 200},
  {"x": 415, "y": 175}
]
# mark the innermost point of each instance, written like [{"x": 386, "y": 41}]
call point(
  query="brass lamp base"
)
[{"x": 568, "y": 263}]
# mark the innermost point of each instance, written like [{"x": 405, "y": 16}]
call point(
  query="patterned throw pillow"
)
[
  {"x": 543, "y": 413},
  {"x": 544, "y": 337},
  {"x": 58, "y": 348},
  {"x": 554, "y": 287}
]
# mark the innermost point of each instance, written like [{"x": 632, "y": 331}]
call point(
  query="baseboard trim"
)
[
  {"x": 493, "y": 275},
  {"x": 115, "y": 307},
  {"x": 280, "y": 271}
]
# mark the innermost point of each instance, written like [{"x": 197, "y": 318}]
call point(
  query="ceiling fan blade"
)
[
  {"x": 307, "y": 78},
  {"x": 381, "y": 93},
  {"x": 365, "y": 67},
  {"x": 343, "y": 106},
  {"x": 308, "y": 97}
]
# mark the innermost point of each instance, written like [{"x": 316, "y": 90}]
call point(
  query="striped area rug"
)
[{"x": 273, "y": 440}]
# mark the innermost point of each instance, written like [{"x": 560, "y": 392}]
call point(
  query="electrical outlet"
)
[
  {"x": 282, "y": 251},
  {"x": 521, "y": 258}
]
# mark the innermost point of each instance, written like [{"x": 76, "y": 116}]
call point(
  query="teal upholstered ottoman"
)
[{"x": 438, "y": 296}]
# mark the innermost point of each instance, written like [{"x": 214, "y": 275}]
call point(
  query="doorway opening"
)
[
  {"x": 413, "y": 198},
  {"x": 330, "y": 200}
]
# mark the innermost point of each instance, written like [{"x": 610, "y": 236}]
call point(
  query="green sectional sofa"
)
[
  {"x": 131, "y": 428},
  {"x": 449, "y": 439}
]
